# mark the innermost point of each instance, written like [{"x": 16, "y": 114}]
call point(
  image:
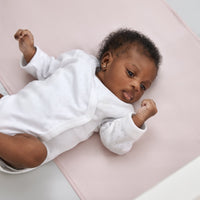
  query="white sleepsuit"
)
[{"x": 66, "y": 104}]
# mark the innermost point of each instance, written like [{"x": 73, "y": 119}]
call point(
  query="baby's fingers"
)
[
  {"x": 150, "y": 105},
  {"x": 148, "y": 102},
  {"x": 18, "y": 34},
  {"x": 22, "y": 33}
]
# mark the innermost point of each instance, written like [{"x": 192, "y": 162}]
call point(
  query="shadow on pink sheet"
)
[{"x": 173, "y": 136}]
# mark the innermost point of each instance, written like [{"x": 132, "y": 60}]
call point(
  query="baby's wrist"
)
[
  {"x": 28, "y": 55},
  {"x": 138, "y": 120}
]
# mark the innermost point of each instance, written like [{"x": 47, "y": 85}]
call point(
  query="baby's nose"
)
[{"x": 136, "y": 85}]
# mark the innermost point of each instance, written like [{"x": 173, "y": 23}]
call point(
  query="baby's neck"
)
[{"x": 99, "y": 75}]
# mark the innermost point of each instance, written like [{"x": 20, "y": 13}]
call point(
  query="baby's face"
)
[{"x": 127, "y": 75}]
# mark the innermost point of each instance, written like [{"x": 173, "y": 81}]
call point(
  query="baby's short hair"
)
[{"x": 122, "y": 37}]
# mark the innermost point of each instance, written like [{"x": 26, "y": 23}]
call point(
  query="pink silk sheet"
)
[{"x": 173, "y": 136}]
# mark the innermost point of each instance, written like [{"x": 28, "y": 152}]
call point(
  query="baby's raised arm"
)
[
  {"x": 26, "y": 43},
  {"x": 148, "y": 109},
  {"x": 35, "y": 61}
]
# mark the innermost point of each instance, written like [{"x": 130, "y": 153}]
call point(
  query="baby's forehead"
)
[
  {"x": 125, "y": 49},
  {"x": 129, "y": 49}
]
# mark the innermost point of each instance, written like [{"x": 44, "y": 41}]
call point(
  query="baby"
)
[{"x": 75, "y": 95}]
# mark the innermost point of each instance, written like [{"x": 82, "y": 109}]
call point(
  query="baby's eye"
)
[
  {"x": 130, "y": 73},
  {"x": 142, "y": 87}
]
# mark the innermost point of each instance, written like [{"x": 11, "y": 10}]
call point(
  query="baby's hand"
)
[
  {"x": 26, "y": 43},
  {"x": 147, "y": 110}
]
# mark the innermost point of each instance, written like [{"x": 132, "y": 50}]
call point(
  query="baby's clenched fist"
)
[
  {"x": 148, "y": 109},
  {"x": 26, "y": 43}
]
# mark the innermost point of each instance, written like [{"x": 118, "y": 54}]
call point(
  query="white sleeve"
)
[
  {"x": 118, "y": 135},
  {"x": 41, "y": 65}
]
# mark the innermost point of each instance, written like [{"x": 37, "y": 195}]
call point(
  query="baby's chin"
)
[{"x": 130, "y": 102}]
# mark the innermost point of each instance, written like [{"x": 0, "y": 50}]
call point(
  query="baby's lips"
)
[{"x": 128, "y": 95}]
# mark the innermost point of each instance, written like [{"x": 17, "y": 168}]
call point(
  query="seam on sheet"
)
[
  {"x": 67, "y": 176},
  {"x": 182, "y": 22}
]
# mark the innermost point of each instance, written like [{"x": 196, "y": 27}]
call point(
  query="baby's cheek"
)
[{"x": 138, "y": 96}]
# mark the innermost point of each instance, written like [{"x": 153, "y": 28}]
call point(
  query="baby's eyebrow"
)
[
  {"x": 134, "y": 65},
  {"x": 147, "y": 82}
]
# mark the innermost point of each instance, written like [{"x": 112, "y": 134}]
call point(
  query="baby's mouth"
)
[{"x": 128, "y": 95}]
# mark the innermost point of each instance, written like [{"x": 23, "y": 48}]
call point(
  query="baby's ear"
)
[{"x": 106, "y": 59}]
